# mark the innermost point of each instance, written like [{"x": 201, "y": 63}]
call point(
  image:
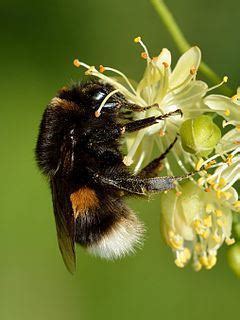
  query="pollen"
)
[
  {"x": 76, "y": 63},
  {"x": 238, "y": 127},
  {"x": 137, "y": 39},
  {"x": 101, "y": 68}
]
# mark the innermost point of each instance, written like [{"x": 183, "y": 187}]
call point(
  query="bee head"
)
[{"x": 95, "y": 97}]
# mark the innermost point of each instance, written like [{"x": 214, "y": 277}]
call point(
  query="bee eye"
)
[{"x": 98, "y": 96}]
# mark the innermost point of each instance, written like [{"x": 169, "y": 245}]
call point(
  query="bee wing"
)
[{"x": 65, "y": 222}]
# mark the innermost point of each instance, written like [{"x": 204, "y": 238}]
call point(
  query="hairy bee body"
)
[{"x": 80, "y": 154}]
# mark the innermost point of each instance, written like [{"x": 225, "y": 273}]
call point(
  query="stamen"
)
[
  {"x": 119, "y": 73},
  {"x": 139, "y": 40},
  {"x": 98, "y": 112},
  {"x": 225, "y": 80}
]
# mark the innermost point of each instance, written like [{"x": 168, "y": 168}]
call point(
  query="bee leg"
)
[
  {"x": 153, "y": 168},
  {"x": 144, "y": 123},
  {"x": 137, "y": 108},
  {"x": 134, "y": 184}
]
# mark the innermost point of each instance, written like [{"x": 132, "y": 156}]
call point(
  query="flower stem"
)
[{"x": 182, "y": 43}]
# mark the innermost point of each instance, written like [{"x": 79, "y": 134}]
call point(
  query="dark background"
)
[{"x": 39, "y": 40}]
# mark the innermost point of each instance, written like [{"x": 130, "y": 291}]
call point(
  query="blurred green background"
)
[{"x": 39, "y": 40}]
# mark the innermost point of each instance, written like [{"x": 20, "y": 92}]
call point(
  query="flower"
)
[
  {"x": 197, "y": 216},
  {"x": 195, "y": 224}
]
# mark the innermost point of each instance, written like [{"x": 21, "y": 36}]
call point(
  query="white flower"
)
[
  {"x": 197, "y": 216},
  {"x": 195, "y": 224}
]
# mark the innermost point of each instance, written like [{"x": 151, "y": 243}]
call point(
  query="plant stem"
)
[{"x": 182, "y": 43}]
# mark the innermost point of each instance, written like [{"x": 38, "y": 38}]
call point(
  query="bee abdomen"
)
[{"x": 109, "y": 231}]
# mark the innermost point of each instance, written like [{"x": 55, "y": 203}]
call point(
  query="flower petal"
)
[
  {"x": 189, "y": 60},
  {"x": 223, "y": 106}
]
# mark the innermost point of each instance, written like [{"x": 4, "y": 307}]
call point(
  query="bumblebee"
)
[{"x": 78, "y": 149}]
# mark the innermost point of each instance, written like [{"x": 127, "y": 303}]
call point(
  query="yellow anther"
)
[
  {"x": 237, "y": 204},
  {"x": 199, "y": 164},
  {"x": 218, "y": 213},
  {"x": 179, "y": 263},
  {"x": 227, "y": 112},
  {"x": 176, "y": 243},
  {"x": 101, "y": 68},
  {"x": 227, "y": 195},
  {"x": 144, "y": 55},
  {"x": 219, "y": 194},
  {"x": 193, "y": 70},
  {"x": 207, "y": 190},
  {"x": 210, "y": 208},
  {"x": 205, "y": 234},
  {"x": 212, "y": 260},
  {"x": 229, "y": 159},
  {"x": 209, "y": 164},
  {"x": 197, "y": 266},
  {"x": 76, "y": 63},
  {"x": 197, "y": 223},
  {"x": 230, "y": 241},
  {"x": 187, "y": 253},
  {"x": 225, "y": 79},
  {"x": 217, "y": 238},
  {"x": 203, "y": 260},
  {"x": 222, "y": 182},
  {"x": 238, "y": 127},
  {"x": 137, "y": 39},
  {"x": 207, "y": 221}
]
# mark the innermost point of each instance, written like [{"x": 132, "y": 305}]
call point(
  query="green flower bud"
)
[
  {"x": 234, "y": 258},
  {"x": 200, "y": 135}
]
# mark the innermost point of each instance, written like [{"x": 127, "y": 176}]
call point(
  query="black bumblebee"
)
[{"x": 79, "y": 151}]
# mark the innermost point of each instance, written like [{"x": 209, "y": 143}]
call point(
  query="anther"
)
[
  {"x": 193, "y": 70},
  {"x": 101, "y": 68},
  {"x": 76, "y": 63},
  {"x": 227, "y": 112},
  {"x": 144, "y": 55},
  {"x": 165, "y": 64},
  {"x": 137, "y": 39}
]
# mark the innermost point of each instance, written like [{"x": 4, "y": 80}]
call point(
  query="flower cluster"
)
[{"x": 197, "y": 216}]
